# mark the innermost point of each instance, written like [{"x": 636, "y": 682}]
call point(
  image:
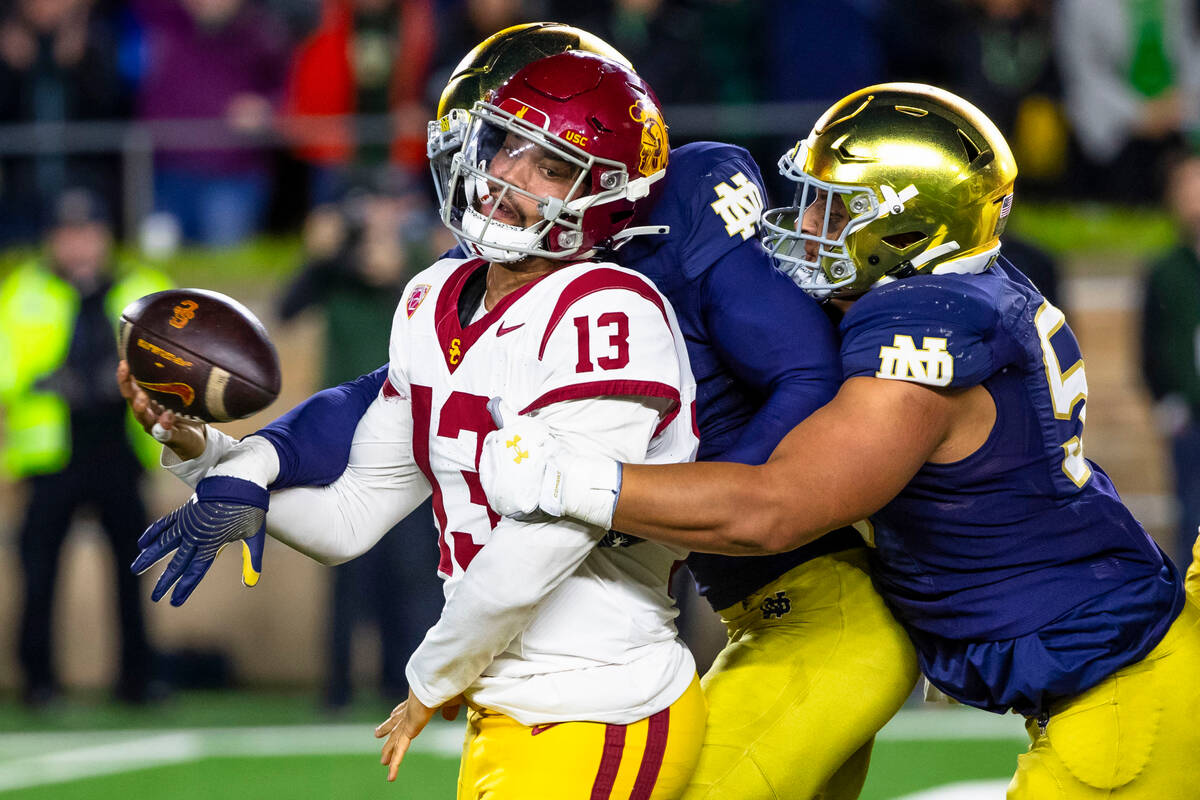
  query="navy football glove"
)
[{"x": 223, "y": 510}]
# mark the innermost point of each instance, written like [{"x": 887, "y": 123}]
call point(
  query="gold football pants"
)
[
  {"x": 650, "y": 759},
  {"x": 1135, "y": 735},
  {"x": 815, "y": 665}
]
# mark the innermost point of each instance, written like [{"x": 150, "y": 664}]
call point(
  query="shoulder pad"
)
[
  {"x": 937, "y": 330},
  {"x": 712, "y": 200}
]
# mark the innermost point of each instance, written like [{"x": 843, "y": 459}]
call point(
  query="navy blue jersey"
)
[
  {"x": 763, "y": 353},
  {"x": 1017, "y": 571}
]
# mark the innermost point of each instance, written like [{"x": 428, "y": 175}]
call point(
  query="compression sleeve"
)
[
  {"x": 744, "y": 298},
  {"x": 313, "y": 439},
  {"x": 522, "y": 563},
  {"x": 380, "y": 486}
]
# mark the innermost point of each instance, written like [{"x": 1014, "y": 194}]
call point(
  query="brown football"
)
[{"x": 200, "y": 353}]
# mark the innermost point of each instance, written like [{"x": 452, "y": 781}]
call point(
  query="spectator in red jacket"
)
[{"x": 366, "y": 57}]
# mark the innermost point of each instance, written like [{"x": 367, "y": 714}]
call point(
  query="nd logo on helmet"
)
[{"x": 654, "y": 138}]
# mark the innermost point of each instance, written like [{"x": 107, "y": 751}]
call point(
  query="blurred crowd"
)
[{"x": 262, "y": 109}]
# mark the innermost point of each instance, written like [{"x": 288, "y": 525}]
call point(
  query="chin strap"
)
[{"x": 621, "y": 239}]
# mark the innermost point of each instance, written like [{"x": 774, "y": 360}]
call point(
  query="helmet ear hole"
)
[{"x": 902, "y": 241}]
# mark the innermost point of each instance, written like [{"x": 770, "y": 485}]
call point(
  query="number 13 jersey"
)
[{"x": 602, "y": 644}]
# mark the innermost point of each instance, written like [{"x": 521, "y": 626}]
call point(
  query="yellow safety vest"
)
[{"x": 37, "y": 320}]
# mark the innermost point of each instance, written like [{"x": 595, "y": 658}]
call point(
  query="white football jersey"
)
[{"x": 595, "y": 351}]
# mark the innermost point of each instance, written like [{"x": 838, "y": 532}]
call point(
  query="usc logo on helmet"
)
[{"x": 654, "y": 137}]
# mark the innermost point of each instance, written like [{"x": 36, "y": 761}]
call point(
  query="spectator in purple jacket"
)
[{"x": 217, "y": 60}]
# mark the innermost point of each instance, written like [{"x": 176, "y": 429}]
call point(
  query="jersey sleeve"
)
[
  {"x": 313, "y": 439},
  {"x": 379, "y": 486},
  {"x": 938, "y": 333},
  {"x": 609, "y": 334},
  {"x": 774, "y": 338},
  {"x": 717, "y": 198}
]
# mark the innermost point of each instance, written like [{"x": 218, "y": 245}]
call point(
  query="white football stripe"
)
[{"x": 214, "y": 393}]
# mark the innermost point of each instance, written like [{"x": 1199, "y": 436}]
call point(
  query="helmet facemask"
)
[
  {"x": 443, "y": 139},
  {"x": 473, "y": 198},
  {"x": 830, "y": 268}
]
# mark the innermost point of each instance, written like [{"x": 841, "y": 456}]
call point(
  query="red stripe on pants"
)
[
  {"x": 652, "y": 758},
  {"x": 610, "y": 762}
]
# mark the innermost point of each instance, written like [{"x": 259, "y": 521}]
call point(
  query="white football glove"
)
[{"x": 525, "y": 470}]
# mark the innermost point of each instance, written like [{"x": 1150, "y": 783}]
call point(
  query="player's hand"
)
[
  {"x": 405, "y": 723},
  {"x": 527, "y": 473},
  {"x": 515, "y": 465},
  {"x": 184, "y": 437},
  {"x": 223, "y": 510}
]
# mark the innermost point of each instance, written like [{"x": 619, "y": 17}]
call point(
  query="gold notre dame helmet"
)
[
  {"x": 927, "y": 184},
  {"x": 489, "y": 64},
  {"x": 495, "y": 59}
]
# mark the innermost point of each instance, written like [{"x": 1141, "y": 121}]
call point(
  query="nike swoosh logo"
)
[{"x": 501, "y": 330}]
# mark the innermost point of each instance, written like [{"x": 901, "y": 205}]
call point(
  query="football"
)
[{"x": 200, "y": 353}]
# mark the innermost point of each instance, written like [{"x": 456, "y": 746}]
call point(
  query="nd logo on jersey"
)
[
  {"x": 739, "y": 206},
  {"x": 929, "y": 364}
]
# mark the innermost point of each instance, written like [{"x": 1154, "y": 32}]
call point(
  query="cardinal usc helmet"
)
[
  {"x": 589, "y": 123},
  {"x": 926, "y": 181},
  {"x": 492, "y": 62}
]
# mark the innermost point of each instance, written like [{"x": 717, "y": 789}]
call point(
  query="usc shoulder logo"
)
[{"x": 653, "y": 157}]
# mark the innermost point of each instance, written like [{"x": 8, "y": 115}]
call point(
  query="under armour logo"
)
[
  {"x": 776, "y": 606},
  {"x": 739, "y": 206},
  {"x": 514, "y": 443},
  {"x": 454, "y": 352}
]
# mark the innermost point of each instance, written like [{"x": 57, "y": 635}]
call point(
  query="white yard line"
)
[
  {"x": 945, "y": 724},
  {"x": 48, "y": 758},
  {"x": 39, "y": 759},
  {"x": 967, "y": 790}
]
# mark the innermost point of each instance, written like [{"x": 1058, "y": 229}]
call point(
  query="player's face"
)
[
  {"x": 813, "y": 221},
  {"x": 530, "y": 167},
  {"x": 80, "y": 251}
]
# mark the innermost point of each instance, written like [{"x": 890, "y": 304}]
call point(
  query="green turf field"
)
[{"x": 263, "y": 745}]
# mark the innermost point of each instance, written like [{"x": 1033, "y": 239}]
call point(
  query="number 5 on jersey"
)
[{"x": 1068, "y": 390}]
